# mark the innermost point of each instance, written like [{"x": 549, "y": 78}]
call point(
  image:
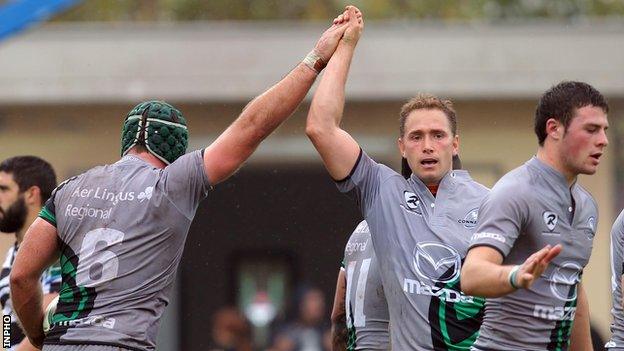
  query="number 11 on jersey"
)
[{"x": 359, "y": 319}]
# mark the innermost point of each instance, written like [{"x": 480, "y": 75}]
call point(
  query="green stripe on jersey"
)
[{"x": 47, "y": 216}]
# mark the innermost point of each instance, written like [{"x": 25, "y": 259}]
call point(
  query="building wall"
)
[{"x": 496, "y": 136}]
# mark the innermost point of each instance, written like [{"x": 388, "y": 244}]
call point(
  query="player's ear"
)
[
  {"x": 554, "y": 129},
  {"x": 401, "y": 146},
  {"x": 32, "y": 196}
]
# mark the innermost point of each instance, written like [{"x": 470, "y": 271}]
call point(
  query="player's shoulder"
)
[
  {"x": 362, "y": 228},
  {"x": 359, "y": 241},
  {"x": 618, "y": 224},
  {"x": 586, "y": 198},
  {"x": 516, "y": 188},
  {"x": 470, "y": 185},
  {"x": 521, "y": 179}
]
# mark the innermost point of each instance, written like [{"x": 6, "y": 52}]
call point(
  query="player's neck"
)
[
  {"x": 550, "y": 157},
  {"x": 433, "y": 188},
  {"x": 149, "y": 158}
]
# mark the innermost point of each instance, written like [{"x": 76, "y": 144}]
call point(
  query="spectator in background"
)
[
  {"x": 305, "y": 332},
  {"x": 25, "y": 184},
  {"x": 231, "y": 331}
]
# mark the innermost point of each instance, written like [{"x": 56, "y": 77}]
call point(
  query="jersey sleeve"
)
[
  {"x": 617, "y": 251},
  {"x": 363, "y": 182},
  {"x": 185, "y": 182},
  {"x": 502, "y": 216},
  {"x": 48, "y": 211},
  {"x": 51, "y": 279}
]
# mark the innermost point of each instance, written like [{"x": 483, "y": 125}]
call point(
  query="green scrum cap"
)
[{"x": 159, "y": 127}]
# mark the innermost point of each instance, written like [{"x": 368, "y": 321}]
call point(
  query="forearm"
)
[
  {"x": 486, "y": 279},
  {"x": 27, "y": 302},
  {"x": 328, "y": 103},
  {"x": 339, "y": 334},
  {"x": 580, "y": 338},
  {"x": 337, "y": 148},
  {"x": 266, "y": 112},
  {"x": 338, "y": 314}
]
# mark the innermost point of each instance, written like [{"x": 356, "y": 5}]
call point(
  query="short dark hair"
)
[
  {"x": 28, "y": 171},
  {"x": 561, "y": 102},
  {"x": 428, "y": 102}
]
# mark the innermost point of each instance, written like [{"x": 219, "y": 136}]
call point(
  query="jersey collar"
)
[
  {"x": 448, "y": 182},
  {"x": 550, "y": 173}
]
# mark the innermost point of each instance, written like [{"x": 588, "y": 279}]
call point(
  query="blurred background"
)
[{"x": 262, "y": 256}]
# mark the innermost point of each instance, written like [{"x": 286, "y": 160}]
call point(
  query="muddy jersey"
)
[
  {"x": 365, "y": 303},
  {"x": 420, "y": 242},
  {"x": 50, "y": 283},
  {"x": 529, "y": 208},
  {"x": 121, "y": 231},
  {"x": 617, "y": 271}
]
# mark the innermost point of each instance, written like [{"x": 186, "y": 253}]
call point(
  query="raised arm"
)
[
  {"x": 266, "y": 112},
  {"x": 337, "y": 148},
  {"x": 38, "y": 251}
]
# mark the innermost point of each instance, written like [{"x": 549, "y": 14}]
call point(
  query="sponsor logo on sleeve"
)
[{"x": 497, "y": 237}]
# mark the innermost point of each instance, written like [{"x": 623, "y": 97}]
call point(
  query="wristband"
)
[
  {"x": 314, "y": 61},
  {"x": 512, "y": 277}
]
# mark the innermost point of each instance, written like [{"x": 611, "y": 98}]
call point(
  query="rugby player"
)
[
  {"x": 26, "y": 182},
  {"x": 360, "y": 312},
  {"x": 536, "y": 230},
  {"x": 420, "y": 227},
  {"x": 616, "y": 343},
  {"x": 120, "y": 229}
]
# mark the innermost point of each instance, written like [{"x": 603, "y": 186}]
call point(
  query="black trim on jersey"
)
[
  {"x": 357, "y": 162},
  {"x": 488, "y": 245},
  {"x": 69, "y": 283},
  {"x": 92, "y": 343}
]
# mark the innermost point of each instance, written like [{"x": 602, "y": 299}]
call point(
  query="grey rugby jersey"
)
[
  {"x": 365, "y": 303},
  {"x": 121, "y": 229},
  {"x": 420, "y": 242},
  {"x": 50, "y": 283},
  {"x": 527, "y": 209},
  {"x": 617, "y": 271}
]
